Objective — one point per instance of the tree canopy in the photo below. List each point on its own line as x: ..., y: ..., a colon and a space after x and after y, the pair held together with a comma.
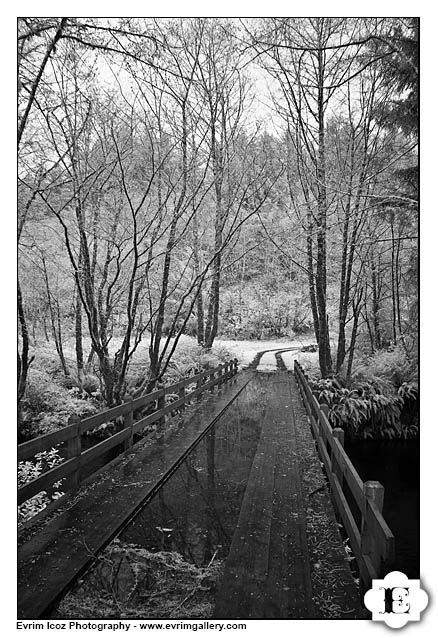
x: 244, y: 177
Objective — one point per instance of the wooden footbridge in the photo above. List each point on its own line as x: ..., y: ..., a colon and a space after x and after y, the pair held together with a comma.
x: 287, y: 558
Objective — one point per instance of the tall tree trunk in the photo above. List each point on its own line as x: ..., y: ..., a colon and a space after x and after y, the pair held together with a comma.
x: 154, y: 348
x: 55, y: 320
x: 200, y: 334
x: 59, y: 339
x: 107, y: 372
x: 78, y: 339
x: 213, y: 301
x: 393, y: 284
x: 325, y: 361
x: 352, y: 347
x: 356, y: 314
x: 46, y: 334
x: 376, y: 304
x: 212, y: 323
x: 349, y: 248
x: 241, y: 284
x: 397, y: 293
x: 370, y: 330
x: 23, y: 360
x: 311, y: 275
x: 78, y: 333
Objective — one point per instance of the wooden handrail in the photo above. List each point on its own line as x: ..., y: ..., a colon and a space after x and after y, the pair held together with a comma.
x: 372, y: 542
x: 76, y: 457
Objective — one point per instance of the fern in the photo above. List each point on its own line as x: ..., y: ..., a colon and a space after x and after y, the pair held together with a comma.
x: 369, y: 408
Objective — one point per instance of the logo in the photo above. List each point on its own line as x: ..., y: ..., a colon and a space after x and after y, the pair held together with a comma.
x: 396, y: 600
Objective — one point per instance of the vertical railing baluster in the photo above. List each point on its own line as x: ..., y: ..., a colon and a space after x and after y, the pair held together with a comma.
x: 182, y: 395
x: 198, y: 385
x: 74, y: 449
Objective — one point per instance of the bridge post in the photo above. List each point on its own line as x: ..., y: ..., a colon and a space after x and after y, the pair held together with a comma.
x: 226, y: 371
x: 374, y: 492
x: 199, y: 382
x: 182, y: 395
x: 129, y: 423
x: 211, y: 380
x: 235, y: 365
x: 74, y: 449
x: 338, y: 434
x: 222, y: 375
x: 161, y: 403
x: 324, y: 408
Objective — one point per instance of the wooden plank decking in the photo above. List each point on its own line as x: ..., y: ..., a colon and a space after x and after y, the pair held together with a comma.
x: 267, y: 573
x: 286, y: 558
x: 277, y: 567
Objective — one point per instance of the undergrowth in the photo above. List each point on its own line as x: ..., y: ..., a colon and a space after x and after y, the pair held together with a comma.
x: 48, y: 403
x: 28, y: 471
x: 51, y: 397
x: 381, y: 400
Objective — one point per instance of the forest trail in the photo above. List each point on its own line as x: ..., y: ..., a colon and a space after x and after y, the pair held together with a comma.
x: 286, y: 559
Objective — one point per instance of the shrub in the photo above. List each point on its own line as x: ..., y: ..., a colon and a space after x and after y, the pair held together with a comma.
x: 264, y: 311
x: 381, y: 400
x: 37, y: 398
x: 47, y: 406
x: 367, y: 409
x: 69, y: 382
x: 390, y: 365
x: 408, y: 391
x: 90, y: 384
x: 28, y: 471
x: 190, y: 358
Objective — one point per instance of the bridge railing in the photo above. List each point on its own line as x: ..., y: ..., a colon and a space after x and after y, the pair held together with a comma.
x: 371, y: 540
x: 71, y: 436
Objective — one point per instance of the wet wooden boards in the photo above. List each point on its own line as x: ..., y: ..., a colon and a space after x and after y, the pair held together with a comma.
x: 267, y: 573
x: 51, y: 560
